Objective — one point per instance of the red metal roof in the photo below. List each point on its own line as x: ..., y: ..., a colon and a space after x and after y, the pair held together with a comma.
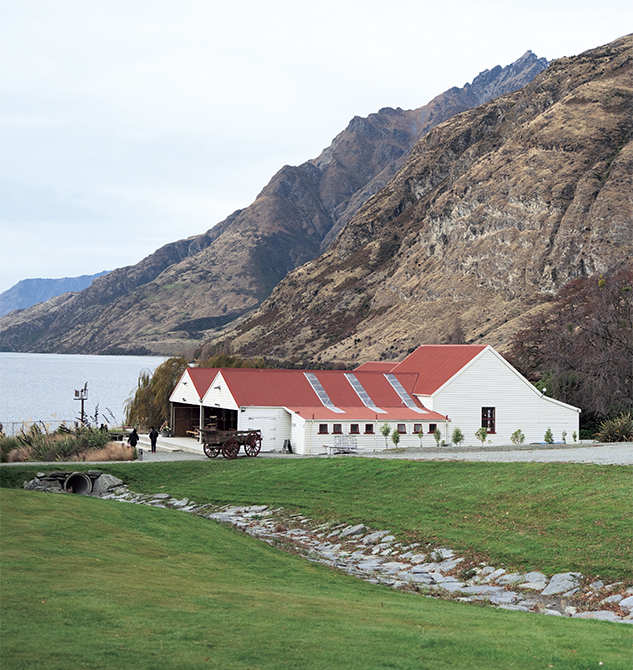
x: 435, y: 364
x: 201, y: 378
x: 376, y: 366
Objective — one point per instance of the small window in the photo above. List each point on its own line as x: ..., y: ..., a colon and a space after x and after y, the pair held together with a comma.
x: 402, y: 429
x: 488, y: 419
x: 354, y: 429
x: 432, y: 427
x: 369, y: 429
x: 417, y: 427
x: 337, y: 428
x: 323, y: 429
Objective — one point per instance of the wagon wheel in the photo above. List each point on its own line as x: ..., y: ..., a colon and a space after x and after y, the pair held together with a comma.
x: 230, y: 448
x: 253, y: 444
x: 210, y: 451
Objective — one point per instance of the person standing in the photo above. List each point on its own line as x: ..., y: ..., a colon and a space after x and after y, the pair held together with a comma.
x: 133, y: 438
x: 153, y: 436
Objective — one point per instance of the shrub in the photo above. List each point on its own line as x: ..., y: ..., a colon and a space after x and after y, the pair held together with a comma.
x: 517, y: 437
x: 549, y: 436
x: 481, y: 434
x: 438, y: 436
x: 7, y: 445
x: 385, y: 431
x: 395, y: 437
x: 458, y: 436
x: 617, y: 429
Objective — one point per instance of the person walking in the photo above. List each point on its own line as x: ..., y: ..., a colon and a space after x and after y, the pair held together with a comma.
x: 153, y: 436
x: 132, y: 440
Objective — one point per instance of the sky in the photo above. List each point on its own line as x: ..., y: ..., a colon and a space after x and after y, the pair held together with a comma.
x: 129, y: 124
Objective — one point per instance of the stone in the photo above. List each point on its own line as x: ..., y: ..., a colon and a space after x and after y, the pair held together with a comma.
x: 105, y: 483
x: 484, y: 590
x: 161, y: 496
x: 626, y: 603
x: 373, y: 538
x: 597, y: 585
x: 448, y: 565
x: 512, y: 578
x: 532, y: 586
x: 418, y: 558
x: 551, y: 612
x: 612, y: 599
x: 444, y: 553
x: 353, y: 530
x: 562, y: 582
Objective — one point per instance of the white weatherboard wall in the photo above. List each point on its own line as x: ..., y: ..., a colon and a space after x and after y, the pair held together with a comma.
x: 274, y: 422
x: 185, y: 391
x: 218, y: 395
x: 488, y: 381
x: 298, y: 433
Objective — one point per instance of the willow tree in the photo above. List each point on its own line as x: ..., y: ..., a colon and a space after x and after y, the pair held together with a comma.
x: 149, y: 406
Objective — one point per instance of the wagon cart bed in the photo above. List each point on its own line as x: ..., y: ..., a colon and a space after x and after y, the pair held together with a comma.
x: 229, y: 442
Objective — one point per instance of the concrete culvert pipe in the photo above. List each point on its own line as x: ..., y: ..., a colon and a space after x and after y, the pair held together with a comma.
x: 78, y: 482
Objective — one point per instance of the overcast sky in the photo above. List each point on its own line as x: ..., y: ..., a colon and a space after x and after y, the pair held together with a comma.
x: 128, y: 124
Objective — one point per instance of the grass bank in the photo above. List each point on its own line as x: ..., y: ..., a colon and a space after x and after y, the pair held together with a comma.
x: 552, y: 517
x: 88, y: 583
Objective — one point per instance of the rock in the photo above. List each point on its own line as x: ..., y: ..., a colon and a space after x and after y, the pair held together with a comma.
x: 448, y: 565
x: 161, y: 496
x: 626, y: 603
x: 569, y: 610
x: 551, y: 612
x: 612, y: 599
x: 418, y: 558
x: 373, y: 538
x: 512, y: 578
x: 596, y: 586
x: 105, y: 483
x: 532, y: 586
x: 484, y: 590
x: 353, y: 530
x: 562, y: 582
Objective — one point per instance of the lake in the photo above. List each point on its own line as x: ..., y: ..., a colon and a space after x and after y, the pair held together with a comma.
x: 41, y: 387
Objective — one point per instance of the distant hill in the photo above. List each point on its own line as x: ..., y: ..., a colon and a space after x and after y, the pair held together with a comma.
x: 28, y: 292
x: 178, y: 296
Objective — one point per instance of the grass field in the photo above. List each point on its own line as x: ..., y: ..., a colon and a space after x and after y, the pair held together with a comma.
x: 89, y: 583
x: 551, y: 517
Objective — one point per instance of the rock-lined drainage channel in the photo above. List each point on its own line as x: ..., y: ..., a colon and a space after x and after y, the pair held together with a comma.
x: 377, y: 557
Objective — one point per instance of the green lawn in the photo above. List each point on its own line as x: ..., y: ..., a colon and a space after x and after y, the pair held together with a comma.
x: 551, y: 517
x: 90, y: 583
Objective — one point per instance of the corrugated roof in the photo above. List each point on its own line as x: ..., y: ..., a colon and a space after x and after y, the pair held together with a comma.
x: 201, y: 378
x: 435, y: 364
x: 376, y: 366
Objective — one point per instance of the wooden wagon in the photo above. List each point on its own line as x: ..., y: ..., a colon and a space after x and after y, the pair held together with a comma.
x: 229, y: 442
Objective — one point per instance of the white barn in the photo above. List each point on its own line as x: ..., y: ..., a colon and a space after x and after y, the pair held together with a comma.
x: 437, y: 386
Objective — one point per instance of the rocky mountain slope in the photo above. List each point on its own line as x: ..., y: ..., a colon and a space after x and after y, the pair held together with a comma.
x: 493, y: 211
x: 179, y: 294
x: 28, y: 292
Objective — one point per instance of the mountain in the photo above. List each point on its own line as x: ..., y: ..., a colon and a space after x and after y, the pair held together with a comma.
x: 493, y: 211
x: 179, y: 295
x: 29, y: 292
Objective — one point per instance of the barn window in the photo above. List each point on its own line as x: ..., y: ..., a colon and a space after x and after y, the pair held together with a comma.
x: 432, y: 427
x: 337, y: 428
x: 369, y: 429
x: 354, y: 429
x: 417, y: 427
x: 488, y: 419
x: 323, y: 429
x: 402, y: 429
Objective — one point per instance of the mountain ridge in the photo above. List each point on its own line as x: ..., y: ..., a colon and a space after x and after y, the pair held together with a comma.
x: 163, y: 303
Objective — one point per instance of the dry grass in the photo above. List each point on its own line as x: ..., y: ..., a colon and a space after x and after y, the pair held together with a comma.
x: 112, y: 451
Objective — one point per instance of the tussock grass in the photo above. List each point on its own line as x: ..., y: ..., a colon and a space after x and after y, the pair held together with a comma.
x: 89, y: 583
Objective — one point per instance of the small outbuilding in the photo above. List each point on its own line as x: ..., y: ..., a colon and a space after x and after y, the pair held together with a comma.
x: 435, y: 387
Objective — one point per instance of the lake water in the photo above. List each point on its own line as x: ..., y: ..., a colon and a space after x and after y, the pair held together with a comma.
x: 41, y: 387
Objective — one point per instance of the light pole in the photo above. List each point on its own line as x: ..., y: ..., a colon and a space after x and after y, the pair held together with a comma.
x: 82, y: 394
